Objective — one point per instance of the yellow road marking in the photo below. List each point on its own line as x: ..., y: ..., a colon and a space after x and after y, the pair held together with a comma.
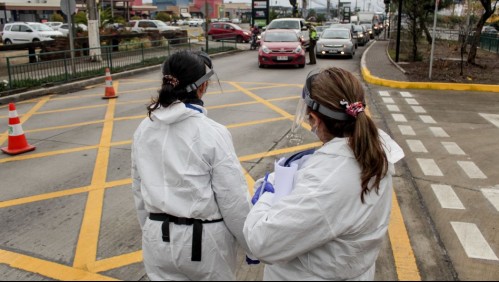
x: 261, y: 100
x: 49, y: 269
x: 262, y: 121
x: 117, y: 261
x: 405, y: 261
x: 250, y: 181
x: 86, y: 249
x: 26, y: 116
x: 403, y: 255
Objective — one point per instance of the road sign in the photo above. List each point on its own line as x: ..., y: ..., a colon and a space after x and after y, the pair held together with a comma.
x: 68, y: 7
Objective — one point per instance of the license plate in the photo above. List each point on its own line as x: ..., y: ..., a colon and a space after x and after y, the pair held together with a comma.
x: 282, y: 58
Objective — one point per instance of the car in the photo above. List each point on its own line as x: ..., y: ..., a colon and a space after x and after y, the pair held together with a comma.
x: 54, y: 25
x: 361, y: 34
x: 281, y: 47
x: 349, y: 26
x: 26, y: 32
x: 150, y: 25
x: 64, y: 28
x: 320, y: 29
x: 489, y: 30
x: 297, y: 24
x: 195, y: 22
x: 335, y: 42
x: 224, y: 30
x: 369, y: 28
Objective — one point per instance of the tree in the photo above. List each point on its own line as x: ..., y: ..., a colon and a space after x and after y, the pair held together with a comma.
x: 162, y: 16
x: 487, y: 13
x: 55, y: 17
x: 81, y: 18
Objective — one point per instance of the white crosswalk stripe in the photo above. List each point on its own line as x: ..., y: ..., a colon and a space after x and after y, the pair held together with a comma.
x: 393, y: 108
x: 473, y: 242
x: 438, y: 132
x: 452, y: 148
x: 406, y: 130
x: 388, y: 101
x: 471, y: 169
x: 427, y: 119
x: 399, y: 118
x: 384, y: 94
x: 492, y: 194
x: 416, y: 146
x: 412, y: 101
x: 446, y: 196
x: 418, y: 109
x: 429, y: 167
x: 406, y: 94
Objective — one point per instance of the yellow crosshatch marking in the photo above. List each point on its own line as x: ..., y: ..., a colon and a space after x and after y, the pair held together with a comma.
x: 86, y: 265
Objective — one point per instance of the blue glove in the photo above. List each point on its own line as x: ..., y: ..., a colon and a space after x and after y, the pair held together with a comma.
x: 265, y: 187
x: 250, y: 261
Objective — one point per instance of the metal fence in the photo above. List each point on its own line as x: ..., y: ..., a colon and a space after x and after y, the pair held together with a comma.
x: 58, y: 67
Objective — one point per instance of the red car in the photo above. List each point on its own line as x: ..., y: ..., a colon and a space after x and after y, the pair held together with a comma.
x: 281, y: 47
x: 228, y: 31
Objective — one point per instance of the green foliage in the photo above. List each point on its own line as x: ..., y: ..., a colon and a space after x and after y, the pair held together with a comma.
x: 105, y: 17
x: 162, y: 16
x: 321, y: 18
x: 136, y: 18
x: 55, y: 17
x: 119, y: 19
x: 81, y: 18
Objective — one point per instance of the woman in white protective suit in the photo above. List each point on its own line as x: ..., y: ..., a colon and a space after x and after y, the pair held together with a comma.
x: 332, y: 224
x: 190, y: 193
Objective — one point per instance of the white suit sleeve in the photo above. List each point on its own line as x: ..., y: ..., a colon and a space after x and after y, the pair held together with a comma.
x: 294, y: 225
x: 137, y: 194
x: 231, y: 192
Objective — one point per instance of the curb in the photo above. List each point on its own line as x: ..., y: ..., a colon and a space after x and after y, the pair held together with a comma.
x: 366, y: 74
x: 77, y: 85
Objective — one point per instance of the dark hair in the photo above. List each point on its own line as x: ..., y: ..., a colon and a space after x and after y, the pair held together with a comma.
x: 184, y: 66
x: 329, y: 88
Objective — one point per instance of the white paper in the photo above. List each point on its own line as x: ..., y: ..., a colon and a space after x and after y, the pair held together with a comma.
x: 283, y: 179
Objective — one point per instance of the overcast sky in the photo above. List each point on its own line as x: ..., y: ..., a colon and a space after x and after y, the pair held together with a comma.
x: 372, y: 5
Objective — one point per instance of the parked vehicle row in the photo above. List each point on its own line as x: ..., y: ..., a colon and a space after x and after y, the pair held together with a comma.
x: 27, y: 32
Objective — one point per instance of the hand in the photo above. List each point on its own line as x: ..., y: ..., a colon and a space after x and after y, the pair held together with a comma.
x: 267, y: 187
x: 251, y: 261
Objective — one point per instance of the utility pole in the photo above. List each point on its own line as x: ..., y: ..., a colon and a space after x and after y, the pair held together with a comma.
x: 399, y: 26
x: 93, y: 31
x: 328, y: 10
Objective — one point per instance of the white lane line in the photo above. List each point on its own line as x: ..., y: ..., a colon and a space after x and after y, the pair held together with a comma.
x: 384, y: 94
x: 472, y: 240
x: 494, y: 119
x: 418, y: 109
x: 447, y: 198
x: 388, y: 101
x: 492, y: 195
x: 416, y: 146
x: 452, y: 148
x: 406, y: 94
x: 471, y: 169
x: 427, y: 119
x: 399, y: 118
x: 406, y: 130
x: 393, y: 108
x: 438, y: 132
x: 411, y: 101
x: 429, y: 167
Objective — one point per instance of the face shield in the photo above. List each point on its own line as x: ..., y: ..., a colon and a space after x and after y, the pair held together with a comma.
x: 295, y: 137
x: 207, y: 61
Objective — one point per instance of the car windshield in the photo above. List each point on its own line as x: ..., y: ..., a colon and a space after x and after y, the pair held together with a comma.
x: 284, y: 25
x: 281, y: 37
x: 160, y: 23
x: 336, y: 34
x: 40, y: 27
x: 236, y: 27
x: 347, y: 26
x: 320, y: 28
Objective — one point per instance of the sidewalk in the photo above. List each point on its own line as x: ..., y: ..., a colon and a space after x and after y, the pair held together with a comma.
x: 380, y: 65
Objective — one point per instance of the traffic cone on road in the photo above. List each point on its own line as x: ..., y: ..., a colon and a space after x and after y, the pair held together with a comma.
x: 17, y: 140
x: 109, y: 86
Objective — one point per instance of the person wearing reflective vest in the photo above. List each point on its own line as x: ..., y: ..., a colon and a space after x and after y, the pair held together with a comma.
x: 313, y: 41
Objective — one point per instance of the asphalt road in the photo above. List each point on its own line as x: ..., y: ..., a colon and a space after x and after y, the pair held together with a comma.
x: 67, y: 212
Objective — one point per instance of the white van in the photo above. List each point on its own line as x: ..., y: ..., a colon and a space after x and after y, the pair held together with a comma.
x: 297, y: 24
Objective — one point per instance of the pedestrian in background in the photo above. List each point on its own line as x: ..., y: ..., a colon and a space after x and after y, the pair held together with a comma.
x: 313, y: 41
x: 189, y: 190
x: 332, y: 224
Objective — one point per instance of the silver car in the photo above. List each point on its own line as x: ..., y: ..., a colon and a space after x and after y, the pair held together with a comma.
x: 335, y: 42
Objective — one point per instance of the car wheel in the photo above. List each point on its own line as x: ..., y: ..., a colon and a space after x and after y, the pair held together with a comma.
x: 301, y: 66
x: 36, y: 40
x: 7, y: 42
x: 260, y: 65
x: 239, y: 39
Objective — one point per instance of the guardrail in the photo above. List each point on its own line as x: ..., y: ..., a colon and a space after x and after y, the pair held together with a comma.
x: 52, y: 68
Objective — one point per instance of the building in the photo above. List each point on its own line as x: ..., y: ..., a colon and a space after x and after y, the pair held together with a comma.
x: 190, y: 8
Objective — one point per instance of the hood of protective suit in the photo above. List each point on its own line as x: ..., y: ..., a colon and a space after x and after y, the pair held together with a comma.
x: 177, y: 112
x: 340, y: 147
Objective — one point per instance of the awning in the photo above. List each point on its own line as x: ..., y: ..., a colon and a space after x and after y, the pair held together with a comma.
x: 186, y: 15
x: 144, y: 8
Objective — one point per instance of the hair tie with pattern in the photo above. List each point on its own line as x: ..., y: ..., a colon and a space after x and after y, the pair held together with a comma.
x: 352, y: 109
x: 170, y: 79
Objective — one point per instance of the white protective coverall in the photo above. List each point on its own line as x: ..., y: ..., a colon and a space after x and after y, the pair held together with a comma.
x: 184, y: 164
x: 322, y: 230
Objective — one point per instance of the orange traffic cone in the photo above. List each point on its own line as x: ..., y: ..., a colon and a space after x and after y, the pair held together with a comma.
x: 109, y: 86
x: 17, y: 140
